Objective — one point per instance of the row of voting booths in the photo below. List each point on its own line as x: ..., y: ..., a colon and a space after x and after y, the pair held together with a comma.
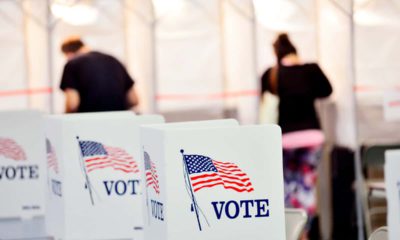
x: 203, y: 59
x: 118, y: 175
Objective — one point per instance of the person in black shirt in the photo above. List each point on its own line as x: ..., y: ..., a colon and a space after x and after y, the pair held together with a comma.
x: 93, y: 81
x: 298, y: 85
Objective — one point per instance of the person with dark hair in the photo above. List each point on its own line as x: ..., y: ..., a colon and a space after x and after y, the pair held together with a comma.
x: 298, y: 85
x: 94, y: 81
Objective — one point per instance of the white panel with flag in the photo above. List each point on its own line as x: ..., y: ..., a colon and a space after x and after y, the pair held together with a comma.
x: 22, y: 164
x: 95, y: 191
x: 392, y: 183
x: 214, y: 182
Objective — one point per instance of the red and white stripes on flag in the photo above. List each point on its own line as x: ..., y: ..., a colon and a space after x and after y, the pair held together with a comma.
x: 205, y: 172
x: 151, y: 173
x: 98, y: 156
x: 11, y: 150
x: 52, y: 162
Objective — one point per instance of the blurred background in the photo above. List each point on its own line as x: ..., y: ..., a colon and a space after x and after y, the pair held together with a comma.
x: 206, y: 55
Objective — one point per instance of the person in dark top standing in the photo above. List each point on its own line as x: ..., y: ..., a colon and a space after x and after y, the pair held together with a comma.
x: 298, y: 85
x: 93, y: 81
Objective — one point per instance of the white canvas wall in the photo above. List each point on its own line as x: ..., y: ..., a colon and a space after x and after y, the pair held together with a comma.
x: 188, y: 55
x: 36, y: 47
x: 297, y: 18
x: 140, y: 50
x: 188, y: 52
x: 240, y: 51
x: 117, y: 31
x: 202, y: 54
x: 377, y: 55
x: 335, y: 53
x: 12, y: 55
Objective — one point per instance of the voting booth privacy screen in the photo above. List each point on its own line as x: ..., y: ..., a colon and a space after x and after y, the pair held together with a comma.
x: 22, y: 165
x: 392, y: 183
x: 94, y: 178
x: 117, y: 175
x: 206, y: 180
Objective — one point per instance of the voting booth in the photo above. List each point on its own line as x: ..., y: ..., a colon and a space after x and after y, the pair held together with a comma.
x: 94, y: 176
x: 392, y: 182
x: 22, y: 164
x: 213, y: 182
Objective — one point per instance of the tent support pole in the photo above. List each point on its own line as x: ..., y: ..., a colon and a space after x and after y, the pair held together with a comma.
x: 153, y: 95
x: 50, y: 65
x: 254, y: 33
x: 357, y: 153
x: 324, y: 197
x: 26, y: 54
x: 125, y: 32
x: 340, y: 7
x: 225, y: 83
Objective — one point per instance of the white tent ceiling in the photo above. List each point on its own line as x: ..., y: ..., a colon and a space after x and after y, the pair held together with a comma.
x: 188, y: 54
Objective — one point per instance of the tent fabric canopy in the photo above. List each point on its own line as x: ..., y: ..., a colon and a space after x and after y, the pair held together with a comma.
x: 191, y: 54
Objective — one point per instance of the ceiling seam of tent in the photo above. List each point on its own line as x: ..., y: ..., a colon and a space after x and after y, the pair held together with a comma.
x: 240, y: 11
x: 366, y: 4
x: 363, y: 5
x: 396, y: 4
x: 340, y: 7
x: 8, y: 19
x: 106, y: 13
x: 138, y: 14
x: 302, y: 8
x: 29, y: 14
x: 201, y: 6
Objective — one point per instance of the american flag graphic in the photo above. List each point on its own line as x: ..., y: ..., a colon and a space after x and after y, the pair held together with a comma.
x: 205, y: 172
x: 11, y: 150
x: 151, y: 173
x: 51, y: 157
x: 98, y: 156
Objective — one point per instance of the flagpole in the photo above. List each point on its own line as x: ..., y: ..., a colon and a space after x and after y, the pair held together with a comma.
x: 191, y: 190
x: 89, y: 186
x: 48, y: 172
x: 147, y: 191
x: 147, y: 202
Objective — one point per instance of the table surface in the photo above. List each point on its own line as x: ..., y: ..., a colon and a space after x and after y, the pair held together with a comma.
x: 23, y: 229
